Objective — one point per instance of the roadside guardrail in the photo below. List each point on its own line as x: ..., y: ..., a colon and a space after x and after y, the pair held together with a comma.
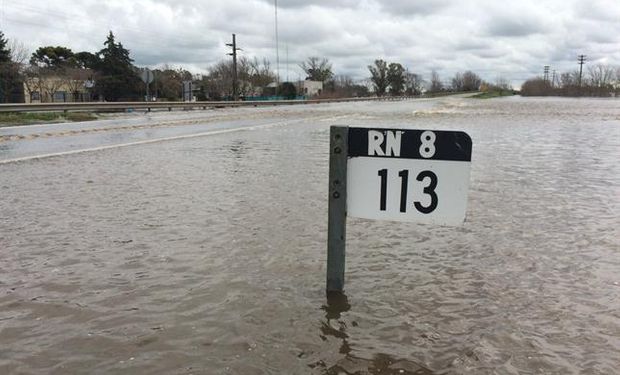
x: 148, y: 106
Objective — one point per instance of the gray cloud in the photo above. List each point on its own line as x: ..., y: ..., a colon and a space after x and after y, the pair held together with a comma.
x: 283, y: 4
x: 512, y: 27
x: 512, y: 39
x: 407, y: 8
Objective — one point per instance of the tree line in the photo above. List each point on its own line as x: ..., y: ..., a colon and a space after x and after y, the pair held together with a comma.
x: 600, y: 80
x: 110, y: 74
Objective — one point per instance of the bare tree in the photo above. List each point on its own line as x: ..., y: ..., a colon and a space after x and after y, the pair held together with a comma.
x: 252, y: 75
x: 50, y: 83
x: 601, y: 76
x: 219, y: 80
x: 19, y: 52
x: 343, y: 86
x: 244, y: 77
x: 502, y: 83
x: 467, y: 81
x: 457, y: 82
x: 413, y: 84
x: 260, y: 73
x: 601, y: 80
x: 31, y: 82
x: 435, y: 84
x: 569, y: 83
x: 43, y: 81
x: 471, y: 81
x: 75, y: 79
x: 317, y: 69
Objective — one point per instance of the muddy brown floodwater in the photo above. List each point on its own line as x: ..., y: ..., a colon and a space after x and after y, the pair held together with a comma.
x: 207, y: 255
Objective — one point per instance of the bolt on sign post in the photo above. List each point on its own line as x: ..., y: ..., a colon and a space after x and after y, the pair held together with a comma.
x: 410, y: 175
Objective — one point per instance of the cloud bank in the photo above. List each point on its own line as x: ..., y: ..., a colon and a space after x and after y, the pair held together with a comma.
x: 513, y: 40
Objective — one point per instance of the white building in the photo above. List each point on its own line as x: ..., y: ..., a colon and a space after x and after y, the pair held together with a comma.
x: 309, y: 88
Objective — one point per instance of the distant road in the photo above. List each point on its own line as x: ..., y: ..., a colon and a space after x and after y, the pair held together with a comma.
x: 20, y: 143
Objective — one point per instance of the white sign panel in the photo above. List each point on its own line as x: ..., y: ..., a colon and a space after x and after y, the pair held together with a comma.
x: 419, y: 176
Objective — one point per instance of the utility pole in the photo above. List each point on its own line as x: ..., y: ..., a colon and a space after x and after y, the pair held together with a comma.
x: 148, y: 94
x: 582, y: 60
x: 277, y: 47
x: 234, y: 56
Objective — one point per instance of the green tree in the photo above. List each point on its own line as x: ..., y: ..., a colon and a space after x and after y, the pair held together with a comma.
x: 317, y: 69
x: 168, y: 83
x: 87, y: 60
x: 379, y: 76
x: 118, y: 78
x: 11, y: 88
x: 287, y: 90
x: 53, y: 57
x: 396, y: 78
x: 5, y: 52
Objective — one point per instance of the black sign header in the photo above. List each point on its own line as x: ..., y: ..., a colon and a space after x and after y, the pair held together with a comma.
x: 410, y: 144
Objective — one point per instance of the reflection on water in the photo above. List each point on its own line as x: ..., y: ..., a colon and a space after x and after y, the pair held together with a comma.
x: 335, y: 326
x: 207, y: 255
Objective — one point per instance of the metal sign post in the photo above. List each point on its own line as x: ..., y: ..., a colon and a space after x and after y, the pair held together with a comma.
x: 147, y: 78
x: 337, y: 216
x: 188, y: 91
x: 408, y: 175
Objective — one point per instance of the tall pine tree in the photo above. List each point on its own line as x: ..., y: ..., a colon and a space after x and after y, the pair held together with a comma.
x: 118, y: 78
x: 11, y: 88
x: 5, y: 52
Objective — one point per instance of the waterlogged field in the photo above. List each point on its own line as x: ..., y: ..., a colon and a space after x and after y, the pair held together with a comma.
x: 207, y: 255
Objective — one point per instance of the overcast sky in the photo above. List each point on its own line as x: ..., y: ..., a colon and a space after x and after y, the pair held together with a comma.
x: 511, y: 39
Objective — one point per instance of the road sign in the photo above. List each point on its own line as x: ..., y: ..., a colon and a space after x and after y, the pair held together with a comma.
x: 147, y: 76
x: 419, y: 176
x: 188, y: 91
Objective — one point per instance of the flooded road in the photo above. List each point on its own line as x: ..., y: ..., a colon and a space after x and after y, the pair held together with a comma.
x: 206, y: 255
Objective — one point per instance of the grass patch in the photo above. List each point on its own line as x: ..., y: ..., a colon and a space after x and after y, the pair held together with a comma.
x: 29, y: 118
x: 80, y: 116
x: 493, y: 94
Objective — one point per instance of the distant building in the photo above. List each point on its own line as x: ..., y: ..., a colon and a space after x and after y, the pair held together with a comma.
x: 73, y: 86
x: 309, y: 88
